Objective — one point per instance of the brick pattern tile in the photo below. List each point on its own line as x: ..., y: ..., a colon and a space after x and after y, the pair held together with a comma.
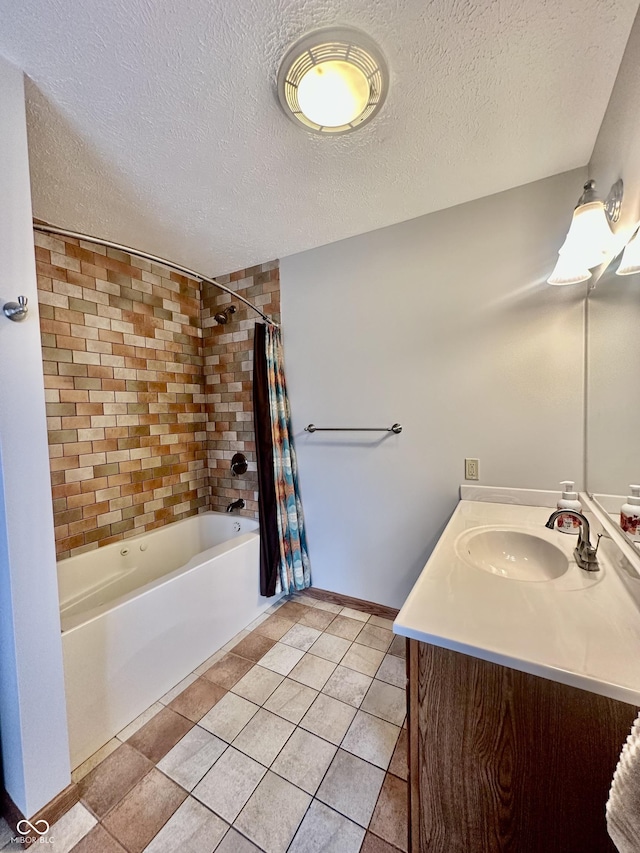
x: 228, y: 372
x: 147, y: 397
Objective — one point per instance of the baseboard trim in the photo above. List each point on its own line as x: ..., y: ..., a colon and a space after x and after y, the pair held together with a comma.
x: 355, y: 603
x: 52, y: 812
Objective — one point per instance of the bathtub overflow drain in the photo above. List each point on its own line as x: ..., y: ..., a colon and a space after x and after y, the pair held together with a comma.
x: 124, y: 551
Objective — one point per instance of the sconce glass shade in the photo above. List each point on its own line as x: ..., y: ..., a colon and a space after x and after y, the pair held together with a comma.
x: 589, y: 237
x: 570, y: 269
x: 630, y: 261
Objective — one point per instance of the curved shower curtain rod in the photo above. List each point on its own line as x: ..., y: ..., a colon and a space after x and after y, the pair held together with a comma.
x: 63, y: 232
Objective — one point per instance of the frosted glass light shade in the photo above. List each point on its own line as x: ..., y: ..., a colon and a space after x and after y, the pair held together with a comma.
x: 569, y: 270
x: 333, y: 94
x: 630, y: 261
x: 333, y: 80
x: 589, y: 237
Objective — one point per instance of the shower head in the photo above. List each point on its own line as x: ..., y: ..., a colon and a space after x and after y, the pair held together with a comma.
x: 222, y: 317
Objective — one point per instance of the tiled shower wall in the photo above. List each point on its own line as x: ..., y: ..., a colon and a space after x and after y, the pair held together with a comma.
x: 122, y: 343
x: 228, y: 368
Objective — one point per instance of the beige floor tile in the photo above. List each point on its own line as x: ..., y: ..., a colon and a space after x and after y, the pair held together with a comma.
x: 281, y: 658
x: 398, y: 646
x: 390, y: 818
x: 177, y: 690
x: 330, y: 647
x: 227, y: 719
x: 317, y: 618
x: 139, y: 722
x: 146, y: 808
x: 393, y: 670
x: 327, y: 831
x: 328, y: 606
x: 257, y: 685
x: 359, y: 615
x: 301, y: 636
x: 371, y: 738
x: 192, y: 757
x: 93, y: 760
x: 376, y: 638
x: 399, y: 762
x: 273, y: 814
x: 351, y: 786
x: 328, y: 718
x: 343, y: 626
x: 386, y: 701
x: 264, y: 736
x: 229, y: 784
x: 312, y: 671
x: 68, y: 830
x: 233, y: 842
x: 381, y: 622
x: 304, y: 760
x: 303, y: 598
x: 275, y: 627
x: 348, y: 686
x: 363, y: 659
x: 291, y: 700
x: 191, y: 829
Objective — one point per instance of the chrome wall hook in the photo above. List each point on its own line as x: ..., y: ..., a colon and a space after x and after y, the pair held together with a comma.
x: 16, y: 311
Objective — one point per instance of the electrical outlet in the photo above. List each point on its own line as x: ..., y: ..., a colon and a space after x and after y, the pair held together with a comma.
x: 471, y: 469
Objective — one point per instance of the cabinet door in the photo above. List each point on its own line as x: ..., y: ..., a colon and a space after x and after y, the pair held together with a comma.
x: 506, y: 761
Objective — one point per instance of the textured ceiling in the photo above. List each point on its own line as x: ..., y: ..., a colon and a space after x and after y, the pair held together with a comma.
x: 156, y: 123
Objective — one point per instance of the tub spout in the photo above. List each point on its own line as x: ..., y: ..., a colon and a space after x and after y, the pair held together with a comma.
x: 239, y: 504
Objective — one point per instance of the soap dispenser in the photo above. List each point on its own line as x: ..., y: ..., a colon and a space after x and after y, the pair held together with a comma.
x: 630, y: 513
x: 569, y: 500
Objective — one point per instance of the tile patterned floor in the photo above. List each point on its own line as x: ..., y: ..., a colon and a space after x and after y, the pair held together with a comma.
x: 290, y: 739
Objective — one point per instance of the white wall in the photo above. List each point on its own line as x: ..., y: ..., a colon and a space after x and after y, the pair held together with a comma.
x: 32, y: 705
x: 443, y: 323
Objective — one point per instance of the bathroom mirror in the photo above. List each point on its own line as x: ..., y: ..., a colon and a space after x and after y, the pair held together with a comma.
x: 613, y: 388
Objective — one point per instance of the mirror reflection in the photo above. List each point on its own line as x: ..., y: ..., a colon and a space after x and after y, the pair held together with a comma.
x: 613, y: 397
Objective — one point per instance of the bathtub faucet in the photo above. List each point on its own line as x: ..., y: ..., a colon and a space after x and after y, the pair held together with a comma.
x: 239, y: 504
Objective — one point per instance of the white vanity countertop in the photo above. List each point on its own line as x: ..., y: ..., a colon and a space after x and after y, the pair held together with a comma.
x: 576, y: 629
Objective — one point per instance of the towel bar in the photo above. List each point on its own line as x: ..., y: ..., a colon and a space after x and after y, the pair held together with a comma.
x: 397, y: 428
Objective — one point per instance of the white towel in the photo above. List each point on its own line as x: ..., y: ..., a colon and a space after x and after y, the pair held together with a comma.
x: 623, y: 807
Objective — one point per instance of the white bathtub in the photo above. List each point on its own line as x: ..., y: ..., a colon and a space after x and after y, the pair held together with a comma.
x: 141, y: 614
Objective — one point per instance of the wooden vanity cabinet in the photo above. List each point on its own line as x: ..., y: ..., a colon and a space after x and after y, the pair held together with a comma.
x: 500, y: 760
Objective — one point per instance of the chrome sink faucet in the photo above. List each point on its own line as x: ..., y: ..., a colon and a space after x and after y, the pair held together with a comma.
x: 584, y: 551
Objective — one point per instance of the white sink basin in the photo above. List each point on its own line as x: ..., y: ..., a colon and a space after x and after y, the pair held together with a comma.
x: 513, y: 554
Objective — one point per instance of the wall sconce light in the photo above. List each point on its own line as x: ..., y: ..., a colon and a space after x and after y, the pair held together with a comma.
x: 630, y: 261
x: 589, y: 240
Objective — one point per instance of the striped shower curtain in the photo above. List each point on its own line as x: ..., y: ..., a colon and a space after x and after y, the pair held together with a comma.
x: 284, y: 560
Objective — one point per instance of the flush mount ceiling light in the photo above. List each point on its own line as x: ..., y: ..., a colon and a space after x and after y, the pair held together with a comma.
x: 590, y: 238
x: 333, y: 80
